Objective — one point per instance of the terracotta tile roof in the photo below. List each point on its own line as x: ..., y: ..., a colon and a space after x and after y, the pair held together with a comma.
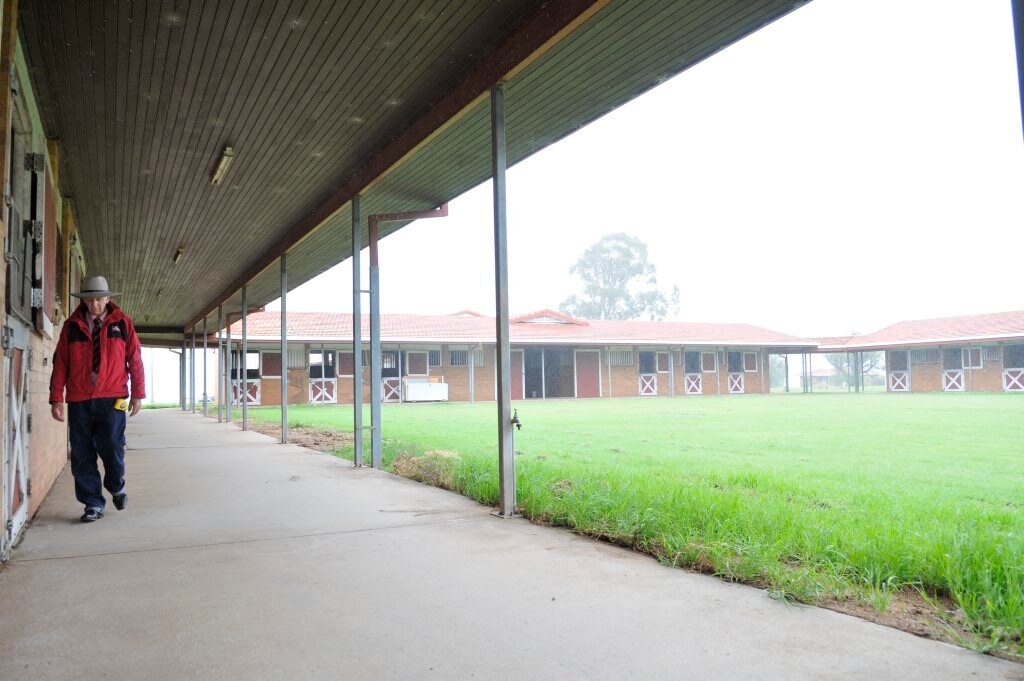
x: 979, y: 327
x: 327, y: 327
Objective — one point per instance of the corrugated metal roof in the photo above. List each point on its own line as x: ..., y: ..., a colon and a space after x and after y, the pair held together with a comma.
x: 320, y: 101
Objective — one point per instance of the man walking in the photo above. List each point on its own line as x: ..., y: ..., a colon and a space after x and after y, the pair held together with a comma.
x: 98, y: 352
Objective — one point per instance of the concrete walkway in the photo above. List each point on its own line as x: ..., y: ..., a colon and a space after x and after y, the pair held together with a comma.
x: 240, y: 558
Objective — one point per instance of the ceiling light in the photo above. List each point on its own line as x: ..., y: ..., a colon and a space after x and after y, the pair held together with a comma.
x: 226, y: 157
x: 177, y: 256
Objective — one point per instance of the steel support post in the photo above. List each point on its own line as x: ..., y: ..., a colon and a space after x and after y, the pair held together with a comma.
x: 323, y: 371
x: 764, y: 360
x: 1017, y: 10
x: 608, y: 361
x: 192, y: 372
x: 718, y: 371
x: 357, y: 337
x: 671, y: 372
x: 243, y: 360
x: 182, y: 373
x: 284, y: 348
x: 785, y: 361
x: 506, y: 451
x: 206, y: 401
x: 860, y: 372
x: 472, y: 373
x: 229, y: 364
x: 220, y: 364
x: 375, y: 358
x: 543, y: 372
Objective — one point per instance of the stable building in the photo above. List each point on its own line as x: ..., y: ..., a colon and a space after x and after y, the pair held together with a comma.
x: 975, y: 353
x: 453, y: 358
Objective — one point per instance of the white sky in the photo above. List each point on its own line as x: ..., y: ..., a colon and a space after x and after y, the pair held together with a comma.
x: 856, y: 163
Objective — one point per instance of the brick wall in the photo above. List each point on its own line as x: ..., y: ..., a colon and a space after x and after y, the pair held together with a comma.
x: 48, y: 440
x: 298, y: 389
x: 987, y: 379
x: 714, y: 383
x: 625, y: 380
x: 926, y: 377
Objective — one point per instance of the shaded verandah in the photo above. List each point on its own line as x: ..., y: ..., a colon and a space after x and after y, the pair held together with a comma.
x: 241, y: 557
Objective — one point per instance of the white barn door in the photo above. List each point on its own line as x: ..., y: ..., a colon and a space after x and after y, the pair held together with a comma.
x: 14, y: 495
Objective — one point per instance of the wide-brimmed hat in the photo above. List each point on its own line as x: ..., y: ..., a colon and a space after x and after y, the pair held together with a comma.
x: 95, y: 287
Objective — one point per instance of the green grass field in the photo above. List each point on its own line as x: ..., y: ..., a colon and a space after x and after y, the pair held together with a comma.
x: 815, y: 497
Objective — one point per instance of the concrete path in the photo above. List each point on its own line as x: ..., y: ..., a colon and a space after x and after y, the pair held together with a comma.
x: 240, y: 558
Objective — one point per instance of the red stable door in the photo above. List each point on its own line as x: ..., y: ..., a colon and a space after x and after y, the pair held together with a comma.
x: 588, y: 373
x: 518, y: 377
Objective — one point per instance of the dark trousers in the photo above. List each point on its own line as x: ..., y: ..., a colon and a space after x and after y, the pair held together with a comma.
x: 96, y: 429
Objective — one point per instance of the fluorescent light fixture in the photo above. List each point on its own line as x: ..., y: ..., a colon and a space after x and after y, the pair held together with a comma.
x: 177, y: 256
x: 226, y: 157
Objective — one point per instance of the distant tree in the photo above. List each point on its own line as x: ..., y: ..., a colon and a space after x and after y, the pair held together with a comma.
x: 844, y: 364
x: 777, y: 371
x: 619, y: 283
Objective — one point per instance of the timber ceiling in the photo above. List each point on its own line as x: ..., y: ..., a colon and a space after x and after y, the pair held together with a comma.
x: 320, y: 100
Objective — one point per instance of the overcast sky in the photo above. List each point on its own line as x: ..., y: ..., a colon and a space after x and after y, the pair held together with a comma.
x: 856, y: 163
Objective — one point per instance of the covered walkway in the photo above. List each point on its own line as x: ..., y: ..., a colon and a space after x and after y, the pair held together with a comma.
x: 241, y: 558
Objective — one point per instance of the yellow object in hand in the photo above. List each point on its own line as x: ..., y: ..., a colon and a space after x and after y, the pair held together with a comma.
x: 121, y: 405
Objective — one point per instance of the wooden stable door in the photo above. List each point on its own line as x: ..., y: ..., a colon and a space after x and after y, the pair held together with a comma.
x: 588, y: 373
x: 416, y: 363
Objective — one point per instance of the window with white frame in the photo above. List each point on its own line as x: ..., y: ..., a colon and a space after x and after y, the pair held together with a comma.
x: 664, y: 360
x: 708, y: 362
x: 620, y: 358
x: 322, y: 365
x: 750, y: 361
x: 478, y: 357
x: 458, y: 358
x: 971, y: 358
x: 434, y: 358
x: 993, y: 353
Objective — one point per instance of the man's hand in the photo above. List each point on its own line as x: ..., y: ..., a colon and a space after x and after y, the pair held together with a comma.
x: 57, y: 411
x: 136, y: 406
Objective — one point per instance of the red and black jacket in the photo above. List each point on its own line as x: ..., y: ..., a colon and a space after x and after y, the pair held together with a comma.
x: 120, y: 359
